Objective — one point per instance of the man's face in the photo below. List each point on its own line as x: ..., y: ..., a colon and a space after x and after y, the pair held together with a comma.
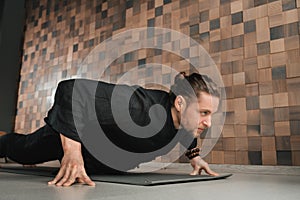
x: 196, y: 117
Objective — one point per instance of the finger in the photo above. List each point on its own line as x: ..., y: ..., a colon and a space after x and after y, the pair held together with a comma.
x: 210, y: 172
x: 79, y: 180
x: 195, y: 171
x: 87, y: 180
x: 65, y: 177
x: 58, y: 176
x: 71, y: 179
x: 199, y: 171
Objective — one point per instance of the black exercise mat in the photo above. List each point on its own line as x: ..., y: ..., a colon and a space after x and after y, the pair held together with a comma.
x: 145, y: 179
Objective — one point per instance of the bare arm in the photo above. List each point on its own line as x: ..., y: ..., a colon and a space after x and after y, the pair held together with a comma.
x: 72, y: 165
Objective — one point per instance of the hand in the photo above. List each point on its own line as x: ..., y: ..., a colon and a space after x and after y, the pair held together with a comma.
x: 198, y: 165
x: 71, y: 171
x: 72, y: 165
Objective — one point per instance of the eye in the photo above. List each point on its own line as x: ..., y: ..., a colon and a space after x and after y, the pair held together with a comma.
x: 204, y: 113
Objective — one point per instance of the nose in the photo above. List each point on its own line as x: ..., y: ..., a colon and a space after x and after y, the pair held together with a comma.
x: 207, y: 122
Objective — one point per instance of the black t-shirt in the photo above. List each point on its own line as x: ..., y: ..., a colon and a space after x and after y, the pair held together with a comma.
x: 80, y: 104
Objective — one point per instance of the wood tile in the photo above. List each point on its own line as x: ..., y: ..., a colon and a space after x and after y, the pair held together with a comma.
x: 295, y: 127
x: 250, y: 64
x: 290, y: 16
x: 229, y: 105
x: 293, y: 98
x: 242, y: 158
x: 250, y: 51
x: 225, y: 10
x: 282, y: 128
x: 295, y: 142
x: 251, y: 76
x: 236, y: 6
x: 296, y: 158
x: 281, y: 99
x: 250, y: 39
x: 276, y: 20
x: 293, y: 70
x: 288, y: 5
x: 237, y: 66
x: 284, y: 157
x: 294, y: 113
x: 228, y: 131
x: 281, y: 114
x: 293, y: 56
x: 228, y: 144
x: 265, y: 75
x: 214, y: 13
x: 262, y: 30
x: 228, y: 79
x: 279, y: 86
x: 283, y: 143
x: 252, y: 89
x: 267, y: 130
x: 215, y: 35
x: 204, y: 27
x: 217, y: 157
x: 237, y: 29
x: 278, y: 59
x: 291, y: 44
x: 229, y: 157
x: 241, y: 144
x: 253, y: 117
x: 269, y: 158
x: 239, y: 104
x: 266, y: 101
x: 240, y: 130
x: 268, y: 144
x: 279, y: 73
x: 250, y: 14
x: 262, y: 11
x: 263, y: 61
x: 255, y: 143
x: 267, y: 116
x: 277, y: 45
x: 219, y: 145
x: 274, y: 8
x: 253, y: 130
x: 293, y: 85
x: 226, y: 68
x: 239, y: 78
x: 263, y: 48
x: 248, y: 4
x: 229, y: 92
x: 255, y: 157
x: 240, y: 117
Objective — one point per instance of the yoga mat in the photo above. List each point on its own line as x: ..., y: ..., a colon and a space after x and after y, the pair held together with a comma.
x: 145, y: 179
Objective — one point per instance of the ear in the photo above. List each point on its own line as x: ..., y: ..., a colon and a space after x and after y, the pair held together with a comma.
x: 179, y: 103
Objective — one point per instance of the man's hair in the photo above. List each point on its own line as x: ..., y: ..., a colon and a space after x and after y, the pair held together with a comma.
x: 194, y: 84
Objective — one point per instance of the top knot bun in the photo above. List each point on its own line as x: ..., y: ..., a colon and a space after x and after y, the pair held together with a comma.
x: 179, y: 77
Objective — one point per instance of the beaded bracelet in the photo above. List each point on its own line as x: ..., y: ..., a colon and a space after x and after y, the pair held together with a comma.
x: 192, y: 153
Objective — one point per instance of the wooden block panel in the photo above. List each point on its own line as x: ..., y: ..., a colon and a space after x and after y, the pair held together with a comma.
x: 255, y: 45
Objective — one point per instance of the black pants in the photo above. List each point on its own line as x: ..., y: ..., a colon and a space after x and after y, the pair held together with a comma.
x: 42, y: 146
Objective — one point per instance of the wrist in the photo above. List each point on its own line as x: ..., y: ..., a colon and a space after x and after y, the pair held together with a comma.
x: 70, y: 145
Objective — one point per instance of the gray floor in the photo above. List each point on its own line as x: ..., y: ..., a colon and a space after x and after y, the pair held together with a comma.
x: 248, y: 182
